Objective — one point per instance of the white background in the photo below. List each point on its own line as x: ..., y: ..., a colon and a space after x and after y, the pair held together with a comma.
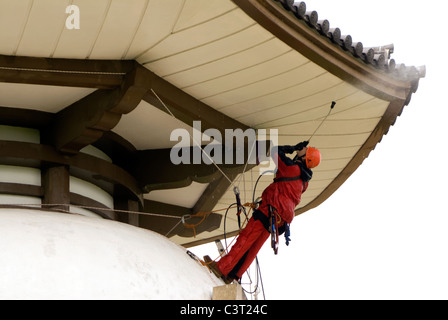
x: 384, y: 233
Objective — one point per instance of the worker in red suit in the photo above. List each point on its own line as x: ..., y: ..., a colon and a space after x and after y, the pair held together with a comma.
x: 280, y: 198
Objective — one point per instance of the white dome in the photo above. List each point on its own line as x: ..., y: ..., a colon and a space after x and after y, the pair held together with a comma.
x: 45, y: 255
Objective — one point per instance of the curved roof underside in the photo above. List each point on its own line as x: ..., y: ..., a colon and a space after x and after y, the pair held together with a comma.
x: 259, y: 64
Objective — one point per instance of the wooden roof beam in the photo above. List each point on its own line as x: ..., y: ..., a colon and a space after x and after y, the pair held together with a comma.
x: 187, y: 108
x: 85, y: 121
x: 155, y: 171
x: 101, y: 74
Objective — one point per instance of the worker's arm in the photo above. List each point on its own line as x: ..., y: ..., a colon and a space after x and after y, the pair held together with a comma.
x: 282, y: 151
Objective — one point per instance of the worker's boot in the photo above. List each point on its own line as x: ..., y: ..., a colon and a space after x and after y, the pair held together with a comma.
x: 213, y: 266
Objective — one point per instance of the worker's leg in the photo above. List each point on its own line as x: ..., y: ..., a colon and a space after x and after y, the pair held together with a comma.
x: 252, y: 253
x: 244, y: 242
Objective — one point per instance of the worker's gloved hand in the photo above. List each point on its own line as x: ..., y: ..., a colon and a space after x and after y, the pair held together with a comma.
x: 288, y: 149
x: 301, y: 145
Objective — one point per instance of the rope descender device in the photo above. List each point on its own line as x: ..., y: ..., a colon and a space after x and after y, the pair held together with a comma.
x: 236, y: 191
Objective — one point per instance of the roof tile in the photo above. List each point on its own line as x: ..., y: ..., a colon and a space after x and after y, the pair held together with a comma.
x: 377, y: 57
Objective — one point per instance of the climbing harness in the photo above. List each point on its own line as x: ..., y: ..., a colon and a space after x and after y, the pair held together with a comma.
x: 270, y: 223
x: 287, y: 179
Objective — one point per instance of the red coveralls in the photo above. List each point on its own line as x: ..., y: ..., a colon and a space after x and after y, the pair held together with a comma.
x: 284, y: 196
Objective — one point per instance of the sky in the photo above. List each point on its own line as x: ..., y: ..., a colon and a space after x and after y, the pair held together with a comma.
x: 384, y: 233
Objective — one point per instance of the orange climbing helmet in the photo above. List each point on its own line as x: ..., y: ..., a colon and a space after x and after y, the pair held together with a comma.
x: 312, y: 157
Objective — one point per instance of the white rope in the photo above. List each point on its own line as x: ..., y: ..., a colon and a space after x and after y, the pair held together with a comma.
x: 166, y: 107
x: 175, y: 226
x: 247, y: 162
x: 197, y: 143
x: 30, y: 205
x: 63, y: 71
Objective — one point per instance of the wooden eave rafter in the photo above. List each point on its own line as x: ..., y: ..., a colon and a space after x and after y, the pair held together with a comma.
x: 85, y: 121
x: 319, y: 49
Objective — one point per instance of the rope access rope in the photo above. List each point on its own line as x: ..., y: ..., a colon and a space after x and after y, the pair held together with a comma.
x: 28, y: 205
x: 197, y: 143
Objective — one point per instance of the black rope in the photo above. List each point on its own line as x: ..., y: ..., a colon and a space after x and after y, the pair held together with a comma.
x: 225, y: 219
